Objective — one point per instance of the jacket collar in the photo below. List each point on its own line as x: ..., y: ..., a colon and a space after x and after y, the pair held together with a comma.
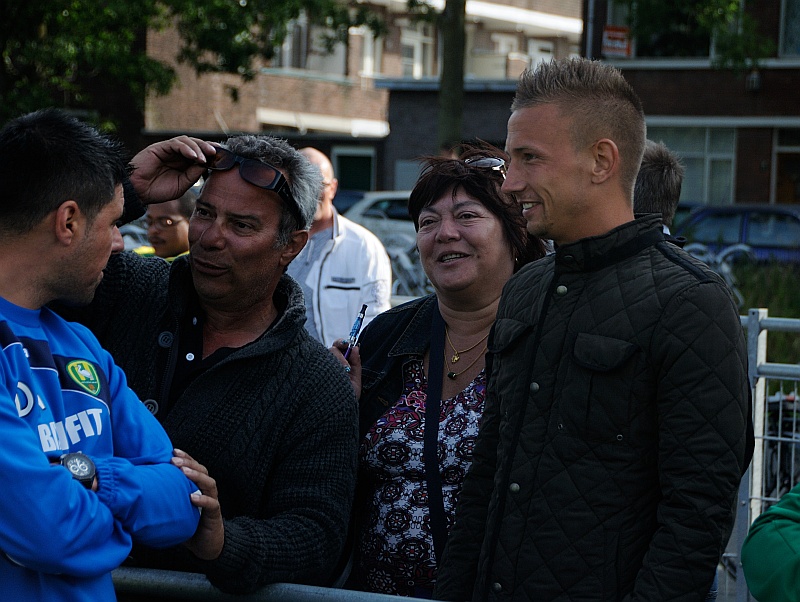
x: 416, y: 337
x: 616, y: 245
x: 336, y: 226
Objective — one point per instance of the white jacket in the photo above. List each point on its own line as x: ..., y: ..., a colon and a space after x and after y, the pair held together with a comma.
x: 352, y: 269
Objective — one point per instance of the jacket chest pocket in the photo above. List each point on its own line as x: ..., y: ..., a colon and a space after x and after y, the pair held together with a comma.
x: 340, y: 296
x: 507, y: 367
x: 597, y: 398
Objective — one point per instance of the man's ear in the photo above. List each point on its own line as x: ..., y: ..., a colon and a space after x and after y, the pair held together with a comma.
x: 69, y: 220
x: 296, y: 243
x: 606, y: 160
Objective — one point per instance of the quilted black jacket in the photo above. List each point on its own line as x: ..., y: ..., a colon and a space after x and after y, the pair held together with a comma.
x: 615, y: 433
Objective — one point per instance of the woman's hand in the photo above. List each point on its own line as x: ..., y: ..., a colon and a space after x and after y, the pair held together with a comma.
x: 208, y: 539
x: 165, y: 170
x: 352, y: 364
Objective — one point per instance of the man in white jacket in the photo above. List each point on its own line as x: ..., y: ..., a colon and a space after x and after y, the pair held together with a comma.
x: 342, y: 267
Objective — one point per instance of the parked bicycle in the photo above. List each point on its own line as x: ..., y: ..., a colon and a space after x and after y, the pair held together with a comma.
x: 722, y: 263
x: 781, y: 444
x: 409, y: 279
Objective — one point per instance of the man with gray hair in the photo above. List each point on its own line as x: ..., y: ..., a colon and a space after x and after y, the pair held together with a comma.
x: 215, y: 344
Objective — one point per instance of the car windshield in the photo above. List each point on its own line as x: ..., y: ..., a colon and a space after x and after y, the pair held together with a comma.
x: 715, y: 229
x: 773, y: 230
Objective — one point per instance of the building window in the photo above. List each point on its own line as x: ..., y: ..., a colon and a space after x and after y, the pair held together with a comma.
x: 505, y: 43
x: 294, y: 50
x: 372, y: 53
x: 708, y: 154
x: 540, y: 51
x: 790, y: 28
x: 787, y: 166
x: 666, y: 30
x: 417, y: 50
x: 354, y: 167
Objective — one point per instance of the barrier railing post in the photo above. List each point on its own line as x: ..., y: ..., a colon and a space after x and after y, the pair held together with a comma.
x: 757, y: 355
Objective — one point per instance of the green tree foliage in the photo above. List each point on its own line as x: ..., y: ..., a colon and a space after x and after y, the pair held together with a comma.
x: 90, y: 55
x: 774, y: 286
x: 738, y: 44
x: 65, y: 52
x: 238, y: 31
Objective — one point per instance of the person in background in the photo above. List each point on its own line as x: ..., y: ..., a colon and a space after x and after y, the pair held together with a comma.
x: 86, y: 468
x: 657, y: 190
x: 215, y: 345
x: 658, y: 184
x: 343, y: 266
x: 168, y: 226
x: 615, y: 434
x: 771, y: 554
x: 429, y: 354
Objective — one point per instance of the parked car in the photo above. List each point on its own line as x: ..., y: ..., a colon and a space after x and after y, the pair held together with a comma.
x: 134, y: 234
x: 683, y: 210
x: 346, y: 198
x: 385, y: 214
x: 771, y: 231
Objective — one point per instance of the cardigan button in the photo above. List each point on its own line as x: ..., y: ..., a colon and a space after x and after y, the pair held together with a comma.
x: 561, y: 290
x: 514, y: 488
x: 496, y: 587
x: 534, y: 388
x: 165, y: 339
x: 151, y: 405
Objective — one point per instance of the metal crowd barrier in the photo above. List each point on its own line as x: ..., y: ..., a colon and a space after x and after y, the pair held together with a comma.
x: 760, y: 487
x: 147, y: 584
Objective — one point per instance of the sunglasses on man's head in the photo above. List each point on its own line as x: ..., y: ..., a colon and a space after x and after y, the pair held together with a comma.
x: 493, y: 163
x: 258, y: 174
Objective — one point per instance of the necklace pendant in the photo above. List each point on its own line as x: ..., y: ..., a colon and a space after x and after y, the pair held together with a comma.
x: 451, y: 375
x: 456, y: 357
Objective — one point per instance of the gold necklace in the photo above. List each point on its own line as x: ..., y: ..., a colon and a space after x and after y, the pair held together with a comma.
x: 453, y: 375
x: 456, y: 352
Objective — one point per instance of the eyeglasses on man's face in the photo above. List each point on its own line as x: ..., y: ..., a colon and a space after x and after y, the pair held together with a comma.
x: 163, y: 223
x: 262, y: 175
x: 493, y: 163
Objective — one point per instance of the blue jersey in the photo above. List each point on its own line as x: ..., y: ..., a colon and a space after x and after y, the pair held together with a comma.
x: 61, y: 392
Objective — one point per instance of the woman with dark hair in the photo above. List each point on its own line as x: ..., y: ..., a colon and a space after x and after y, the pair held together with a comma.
x: 419, y: 371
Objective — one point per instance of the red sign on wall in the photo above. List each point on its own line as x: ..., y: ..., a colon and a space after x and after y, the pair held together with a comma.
x: 616, y: 41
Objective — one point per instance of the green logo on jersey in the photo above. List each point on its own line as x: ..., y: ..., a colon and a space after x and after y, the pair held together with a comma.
x: 84, y: 374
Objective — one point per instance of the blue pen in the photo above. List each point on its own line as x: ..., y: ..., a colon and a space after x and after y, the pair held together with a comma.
x: 351, y: 341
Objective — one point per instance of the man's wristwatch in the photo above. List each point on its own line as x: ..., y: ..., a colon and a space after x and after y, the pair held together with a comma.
x: 81, y: 467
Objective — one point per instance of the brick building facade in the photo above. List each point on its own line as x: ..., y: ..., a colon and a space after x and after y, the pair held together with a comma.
x: 340, y: 103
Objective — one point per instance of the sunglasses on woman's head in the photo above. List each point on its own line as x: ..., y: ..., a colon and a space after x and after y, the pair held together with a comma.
x: 262, y: 175
x: 493, y: 163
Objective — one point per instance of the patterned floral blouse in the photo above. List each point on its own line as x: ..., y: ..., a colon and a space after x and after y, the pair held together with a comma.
x: 395, y: 545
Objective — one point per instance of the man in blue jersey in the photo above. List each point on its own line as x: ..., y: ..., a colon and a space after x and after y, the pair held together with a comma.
x: 86, y: 470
